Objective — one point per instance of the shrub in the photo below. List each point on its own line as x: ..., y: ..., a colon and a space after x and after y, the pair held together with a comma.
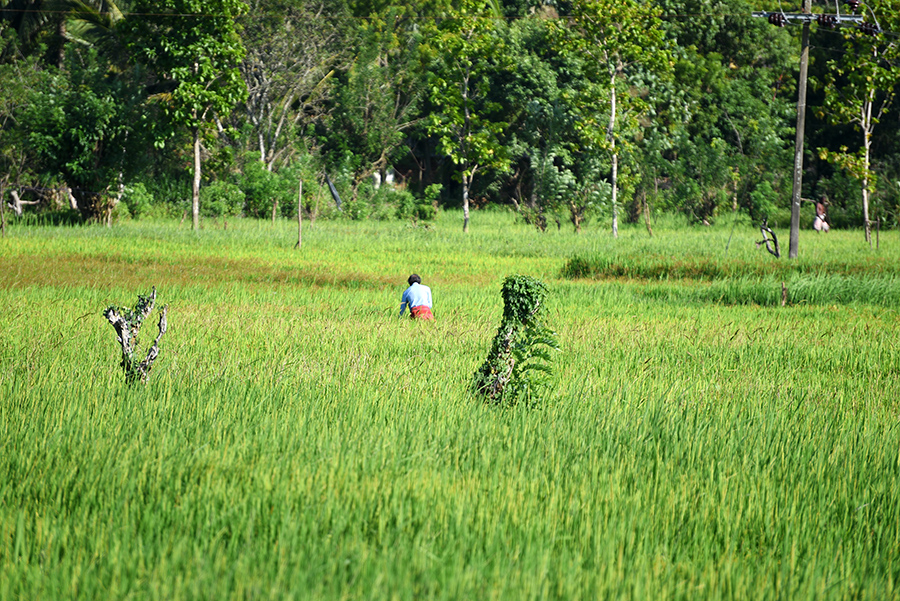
x: 405, y: 205
x: 762, y: 201
x: 316, y: 197
x: 519, y: 359
x: 138, y: 199
x: 220, y: 199
x: 358, y: 206
x: 261, y: 189
x: 416, y: 209
x: 387, y: 202
x: 173, y: 189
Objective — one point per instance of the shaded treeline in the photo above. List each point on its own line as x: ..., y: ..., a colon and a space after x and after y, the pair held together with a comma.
x: 565, y: 111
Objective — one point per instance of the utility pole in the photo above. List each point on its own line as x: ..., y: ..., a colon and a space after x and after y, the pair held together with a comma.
x: 779, y: 19
x: 798, y: 143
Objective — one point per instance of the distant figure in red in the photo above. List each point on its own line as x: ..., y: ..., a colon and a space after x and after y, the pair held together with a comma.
x: 418, y: 298
x: 820, y: 225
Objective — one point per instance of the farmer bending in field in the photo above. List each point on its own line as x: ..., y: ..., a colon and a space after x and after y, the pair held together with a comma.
x: 418, y: 298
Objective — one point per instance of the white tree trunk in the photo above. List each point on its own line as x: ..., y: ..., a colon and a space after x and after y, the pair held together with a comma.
x: 195, y: 190
x: 17, y: 203
x: 73, y: 203
x: 262, y: 151
x: 466, y: 179
x: 2, y: 209
x: 465, y: 182
x: 614, y: 156
x: 867, y: 145
x: 615, y: 204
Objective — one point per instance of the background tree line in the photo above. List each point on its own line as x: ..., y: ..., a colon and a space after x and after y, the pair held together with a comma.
x: 567, y: 111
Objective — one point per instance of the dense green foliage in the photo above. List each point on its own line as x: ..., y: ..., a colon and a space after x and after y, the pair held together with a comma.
x: 297, y: 441
x: 520, y: 352
x: 569, y: 112
x: 862, y: 93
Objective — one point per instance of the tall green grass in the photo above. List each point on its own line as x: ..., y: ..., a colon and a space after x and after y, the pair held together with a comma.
x: 297, y: 440
x: 703, y: 267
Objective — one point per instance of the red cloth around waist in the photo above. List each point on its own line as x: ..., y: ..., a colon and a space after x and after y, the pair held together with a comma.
x: 421, y: 312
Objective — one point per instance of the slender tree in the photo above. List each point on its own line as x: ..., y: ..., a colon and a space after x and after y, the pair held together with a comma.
x: 292, y: 49
x: 622, y: 38
x: 859, y: 90
x: 467, y: 49
x: 194, y: 49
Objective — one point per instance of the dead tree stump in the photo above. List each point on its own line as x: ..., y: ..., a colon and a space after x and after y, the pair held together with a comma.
x: 127, y: 323
x: 769, y: 239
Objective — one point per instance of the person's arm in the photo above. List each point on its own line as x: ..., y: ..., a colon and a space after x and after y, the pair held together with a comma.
x: 404, y: 301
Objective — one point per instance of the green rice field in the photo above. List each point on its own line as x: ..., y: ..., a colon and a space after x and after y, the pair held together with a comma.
x: 296, y: 440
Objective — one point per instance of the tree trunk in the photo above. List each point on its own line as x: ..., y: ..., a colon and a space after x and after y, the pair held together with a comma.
x: 647, y: 214
x: 867, y: 146
x: 797, y: 182
x: 576, y: 217
x: 3, y: 209
x: 73, y: 203
x: 112, y: 204
x: 90, y: 204
x: 17, y: 202
x: 300, y: 215
x: 734, y: 191
x: 127, y: 324
x: 262, y: 151
x: 465, y: 182
x: 61, y: 51
x: 865, y: 196
x: 610, y: 136
x: 195, y: 190
x: 466, y: 179
x: 615, y: 208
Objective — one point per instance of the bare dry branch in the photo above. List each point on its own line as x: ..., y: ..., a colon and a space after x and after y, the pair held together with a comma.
x: 127, y: 324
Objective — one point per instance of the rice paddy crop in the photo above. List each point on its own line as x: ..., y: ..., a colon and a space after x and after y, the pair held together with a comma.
x: 298, y: 441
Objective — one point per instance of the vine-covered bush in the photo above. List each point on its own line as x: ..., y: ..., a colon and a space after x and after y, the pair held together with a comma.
x: 519, y: 360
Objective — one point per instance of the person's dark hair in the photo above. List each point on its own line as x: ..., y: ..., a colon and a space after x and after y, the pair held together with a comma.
x: 414, y: 279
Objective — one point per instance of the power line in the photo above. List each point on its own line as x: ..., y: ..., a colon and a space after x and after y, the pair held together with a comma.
x: 258, y: 15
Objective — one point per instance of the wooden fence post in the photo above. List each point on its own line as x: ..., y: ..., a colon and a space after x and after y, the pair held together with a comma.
x: 300, y: 215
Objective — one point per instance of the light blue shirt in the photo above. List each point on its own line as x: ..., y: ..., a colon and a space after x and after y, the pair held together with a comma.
x: 414, y: 296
